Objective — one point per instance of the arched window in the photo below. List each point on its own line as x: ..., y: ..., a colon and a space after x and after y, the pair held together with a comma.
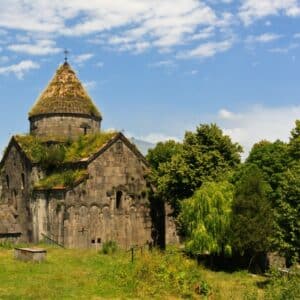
x: 119, y: 196
x: 7, y: 181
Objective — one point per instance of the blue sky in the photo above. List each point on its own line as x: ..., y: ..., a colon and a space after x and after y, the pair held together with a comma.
x: 157, y: 68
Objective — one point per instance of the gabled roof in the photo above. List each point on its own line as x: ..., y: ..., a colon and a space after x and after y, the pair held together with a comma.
x: 14, y: 142
x: 130, y: 145
x: 80, y: 163
x: 64, y: 95
x: 86, y: 161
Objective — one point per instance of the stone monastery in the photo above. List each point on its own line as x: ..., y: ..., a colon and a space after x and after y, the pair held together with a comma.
x: 69, y: 182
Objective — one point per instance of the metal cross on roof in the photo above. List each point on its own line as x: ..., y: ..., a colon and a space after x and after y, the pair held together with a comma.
x: 66, y: 52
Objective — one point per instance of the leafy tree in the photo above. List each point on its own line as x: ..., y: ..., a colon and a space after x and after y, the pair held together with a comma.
x: 279, y: 163
x: 205, y: 218
x: 272, y: 159
x: 288, y: 213
x: 162, y: 153
x: 252, y: 216
x: 205, y: 155
x: 294, y: 145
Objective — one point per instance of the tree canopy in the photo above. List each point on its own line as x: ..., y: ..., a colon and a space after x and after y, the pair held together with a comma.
x: 205, y: 218
x: 205, y: 155
x: 252, y: 216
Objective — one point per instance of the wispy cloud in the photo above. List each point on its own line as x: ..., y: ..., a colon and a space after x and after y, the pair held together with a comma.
x: 252, y: 10
x: 40, y: 47
x: 163, y: 63
x: 207, y: 50
x: 133, y: 25
x: 20, y: 68
x: 284, y: 50
x: 263, y: 38
x: 82, y: 58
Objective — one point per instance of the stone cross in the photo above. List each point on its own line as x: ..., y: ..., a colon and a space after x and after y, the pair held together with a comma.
x: 82, y: 230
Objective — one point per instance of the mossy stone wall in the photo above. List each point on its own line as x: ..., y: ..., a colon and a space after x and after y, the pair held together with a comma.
x: 15, y: 181
x: 63, y: 126
x: 112, y: 204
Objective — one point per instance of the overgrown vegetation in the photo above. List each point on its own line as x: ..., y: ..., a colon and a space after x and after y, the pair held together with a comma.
x: 109, y: 247
x: 41, y: 151
x: 283, y: 287
x: 86, y: 274
x: 54, y: 156
x: 61, y: 179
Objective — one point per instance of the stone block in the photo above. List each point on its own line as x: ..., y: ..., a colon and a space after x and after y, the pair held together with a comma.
x: 30, y: 254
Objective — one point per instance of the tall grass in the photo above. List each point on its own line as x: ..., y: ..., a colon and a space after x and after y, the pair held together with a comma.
x: 87, y: 274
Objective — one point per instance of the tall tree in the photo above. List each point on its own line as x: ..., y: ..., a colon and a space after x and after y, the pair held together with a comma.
x: 205, y: 219
x: 294, y: 145
x: 205, y: 155
x: 288, y: 213
x: 162, y: 153
x: 252, y: 215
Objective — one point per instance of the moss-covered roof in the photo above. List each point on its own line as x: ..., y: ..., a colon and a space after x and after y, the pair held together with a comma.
x: 38, y: 150
x: 61, y: 180
x: 64, y: 94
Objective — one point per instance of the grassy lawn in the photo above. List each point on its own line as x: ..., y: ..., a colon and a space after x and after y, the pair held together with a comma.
x: 86, y: 274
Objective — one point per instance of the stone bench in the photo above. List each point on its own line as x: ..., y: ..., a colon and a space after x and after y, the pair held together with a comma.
x: 30, y: 254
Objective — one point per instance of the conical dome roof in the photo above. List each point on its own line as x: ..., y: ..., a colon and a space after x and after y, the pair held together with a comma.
x: 64, y: 95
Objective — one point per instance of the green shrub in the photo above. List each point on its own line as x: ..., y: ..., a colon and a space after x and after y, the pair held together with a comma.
x: 284, y: 287
x: 7, y: 245
x: 156, y: 272
x: 109, y: 247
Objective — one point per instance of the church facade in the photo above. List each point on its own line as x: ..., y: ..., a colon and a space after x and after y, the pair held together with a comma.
x: 92, y: 187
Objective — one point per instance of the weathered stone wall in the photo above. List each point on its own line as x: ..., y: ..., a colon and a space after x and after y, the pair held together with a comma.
x: 68, y: 126
x: 15, y: 181
x: 48, y: 216
x: 111, y: 205
x: 171, y: 234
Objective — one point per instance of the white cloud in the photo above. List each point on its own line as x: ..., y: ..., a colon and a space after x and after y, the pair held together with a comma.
x: 19, y: 69
x: 263, y: 38
x: 259, y: 123
x: 133, y: 25
x: 41, y: 47
x: 227, y: 115
x: 79, y: 59
x: 207, y: 49
x: 163, y: 63
x: 252, y: 10
x: 284, y: 50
